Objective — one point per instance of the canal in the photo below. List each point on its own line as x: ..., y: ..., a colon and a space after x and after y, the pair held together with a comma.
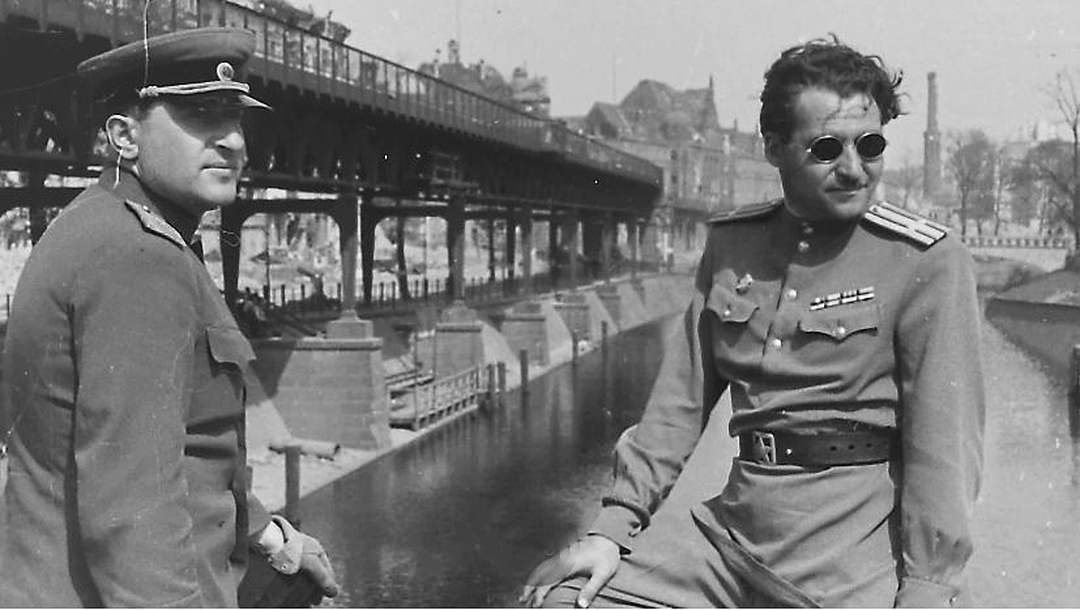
x: 459, y: 518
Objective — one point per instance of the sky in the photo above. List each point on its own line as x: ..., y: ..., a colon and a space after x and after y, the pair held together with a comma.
x: 995, y: 59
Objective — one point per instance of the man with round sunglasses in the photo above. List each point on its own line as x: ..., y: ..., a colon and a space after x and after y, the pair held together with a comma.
x: 845, y: 330
x: 125, y: 368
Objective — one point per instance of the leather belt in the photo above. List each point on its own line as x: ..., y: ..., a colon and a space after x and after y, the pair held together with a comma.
x: 817, y: 449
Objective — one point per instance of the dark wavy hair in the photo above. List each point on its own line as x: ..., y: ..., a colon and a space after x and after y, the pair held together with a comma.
x: 827, y: 64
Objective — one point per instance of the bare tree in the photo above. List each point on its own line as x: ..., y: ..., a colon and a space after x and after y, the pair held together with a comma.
x: 907, y: 180
x: 1045, y: 179
x: 971, y: 164
x: 1066, y: 97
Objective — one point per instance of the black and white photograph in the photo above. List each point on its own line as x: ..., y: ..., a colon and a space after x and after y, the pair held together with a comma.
x: 510, y: 304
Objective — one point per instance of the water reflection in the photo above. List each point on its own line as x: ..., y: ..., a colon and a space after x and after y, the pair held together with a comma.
x: 459, y: 518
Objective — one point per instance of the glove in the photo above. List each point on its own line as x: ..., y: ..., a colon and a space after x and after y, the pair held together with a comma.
x: 302, y: 553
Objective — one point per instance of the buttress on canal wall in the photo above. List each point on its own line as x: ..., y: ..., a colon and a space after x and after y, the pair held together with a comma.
x: 330, y: 392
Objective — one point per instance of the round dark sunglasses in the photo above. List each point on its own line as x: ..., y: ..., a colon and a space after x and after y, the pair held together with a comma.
x: 826, y: 149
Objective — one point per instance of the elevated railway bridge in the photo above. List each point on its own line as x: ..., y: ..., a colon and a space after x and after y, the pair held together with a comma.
x: 371, y: 140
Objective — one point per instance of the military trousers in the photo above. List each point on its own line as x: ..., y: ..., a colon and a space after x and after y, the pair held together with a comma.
x: 666, y: 571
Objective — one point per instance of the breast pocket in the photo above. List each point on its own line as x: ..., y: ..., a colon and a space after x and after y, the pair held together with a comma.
x: 734, y: 313
x: 841, y: 323
x: 728, y: 306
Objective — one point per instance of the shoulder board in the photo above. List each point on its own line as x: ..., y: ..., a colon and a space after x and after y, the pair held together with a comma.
x: 920, y: 230
x: 753, y: 210
x: 155, y: 224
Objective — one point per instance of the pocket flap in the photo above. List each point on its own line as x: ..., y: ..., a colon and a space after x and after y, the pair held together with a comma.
x: 229, y: 345
x: 729, y: 306
x: 841, y: 322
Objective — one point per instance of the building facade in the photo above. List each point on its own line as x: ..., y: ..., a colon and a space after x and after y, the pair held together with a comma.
x: 707, y: 168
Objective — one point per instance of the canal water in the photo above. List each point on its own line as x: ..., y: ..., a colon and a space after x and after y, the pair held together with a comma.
x: 461, y: 517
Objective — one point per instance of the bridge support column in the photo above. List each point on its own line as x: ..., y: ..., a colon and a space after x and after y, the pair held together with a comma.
x: 592, y: 245
x: 344, y: 214
x: 491, y: 249
x: 232, y: 227
x: 369, y: 221
x: 35, y: 185
x: 526, y: 250
x: 402, y: 265
x: 651, y: 252
x: 571, y: 239
x: 455, y: 245
x: 554, y: 268
x: 632, y: 236
x: 511, y: 247
x: 607, y: 245
x: 38, y: 223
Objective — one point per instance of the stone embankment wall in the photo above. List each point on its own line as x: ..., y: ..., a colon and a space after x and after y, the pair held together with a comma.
x: 317, y: 389
x: 1042, y: 316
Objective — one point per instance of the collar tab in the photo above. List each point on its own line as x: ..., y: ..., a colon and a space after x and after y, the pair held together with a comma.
x: 753, y: 210
x: 155, y: 224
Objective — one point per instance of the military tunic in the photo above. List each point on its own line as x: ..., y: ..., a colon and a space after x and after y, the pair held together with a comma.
x: 815, y: 327
x: 126, y: 395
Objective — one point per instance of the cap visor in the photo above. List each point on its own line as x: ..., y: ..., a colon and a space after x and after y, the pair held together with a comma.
x: 249, y: 102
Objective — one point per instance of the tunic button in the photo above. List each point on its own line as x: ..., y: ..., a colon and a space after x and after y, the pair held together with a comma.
x: 841, y: 330
x: 776, y: 343
x: 803, y: 246
x: 727, y: 312
x: 807, y: 230
x: 791, y: 294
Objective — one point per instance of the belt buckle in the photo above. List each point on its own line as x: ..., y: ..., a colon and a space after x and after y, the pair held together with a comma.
x: 764, y: 447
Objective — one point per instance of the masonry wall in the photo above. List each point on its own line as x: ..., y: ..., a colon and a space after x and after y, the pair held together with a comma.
x: 1047, y: 330
x: 328, y: 389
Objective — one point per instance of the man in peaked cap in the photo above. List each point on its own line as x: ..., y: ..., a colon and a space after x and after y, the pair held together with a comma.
x: 125, y: 419
x: 845, y: 331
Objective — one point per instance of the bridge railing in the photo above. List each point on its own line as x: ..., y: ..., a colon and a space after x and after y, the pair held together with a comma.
x: 988, y: 241
x: 297, y: 57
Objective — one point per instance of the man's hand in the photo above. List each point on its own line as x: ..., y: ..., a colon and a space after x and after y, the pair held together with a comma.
x: 302, y: 553
x: 594, y: 556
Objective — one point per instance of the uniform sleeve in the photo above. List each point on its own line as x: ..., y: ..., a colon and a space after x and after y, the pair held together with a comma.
x: 258, y: 517
x: 134, y: 321
x: 650, y: 455
x: 941, y: 426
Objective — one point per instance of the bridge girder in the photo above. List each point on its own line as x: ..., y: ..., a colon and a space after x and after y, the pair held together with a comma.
x: 314, y: 141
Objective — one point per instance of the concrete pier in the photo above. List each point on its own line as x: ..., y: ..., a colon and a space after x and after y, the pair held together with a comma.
x: 347, y: 401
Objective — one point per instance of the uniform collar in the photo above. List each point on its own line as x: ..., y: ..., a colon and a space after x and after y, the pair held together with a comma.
x: 130, y: 188
x: 821, y: 227
x: 813, y: 240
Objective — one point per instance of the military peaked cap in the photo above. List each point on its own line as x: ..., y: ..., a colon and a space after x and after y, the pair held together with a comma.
x: 188, y: 62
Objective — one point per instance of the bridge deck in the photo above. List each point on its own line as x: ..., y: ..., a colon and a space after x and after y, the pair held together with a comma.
x: 309, y: 62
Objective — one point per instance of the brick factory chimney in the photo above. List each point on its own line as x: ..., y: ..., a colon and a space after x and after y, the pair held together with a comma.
x: 931, y: 142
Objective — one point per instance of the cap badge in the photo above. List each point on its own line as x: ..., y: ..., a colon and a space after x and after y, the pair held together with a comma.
x: 744, y: 284
x: 225, y: 71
